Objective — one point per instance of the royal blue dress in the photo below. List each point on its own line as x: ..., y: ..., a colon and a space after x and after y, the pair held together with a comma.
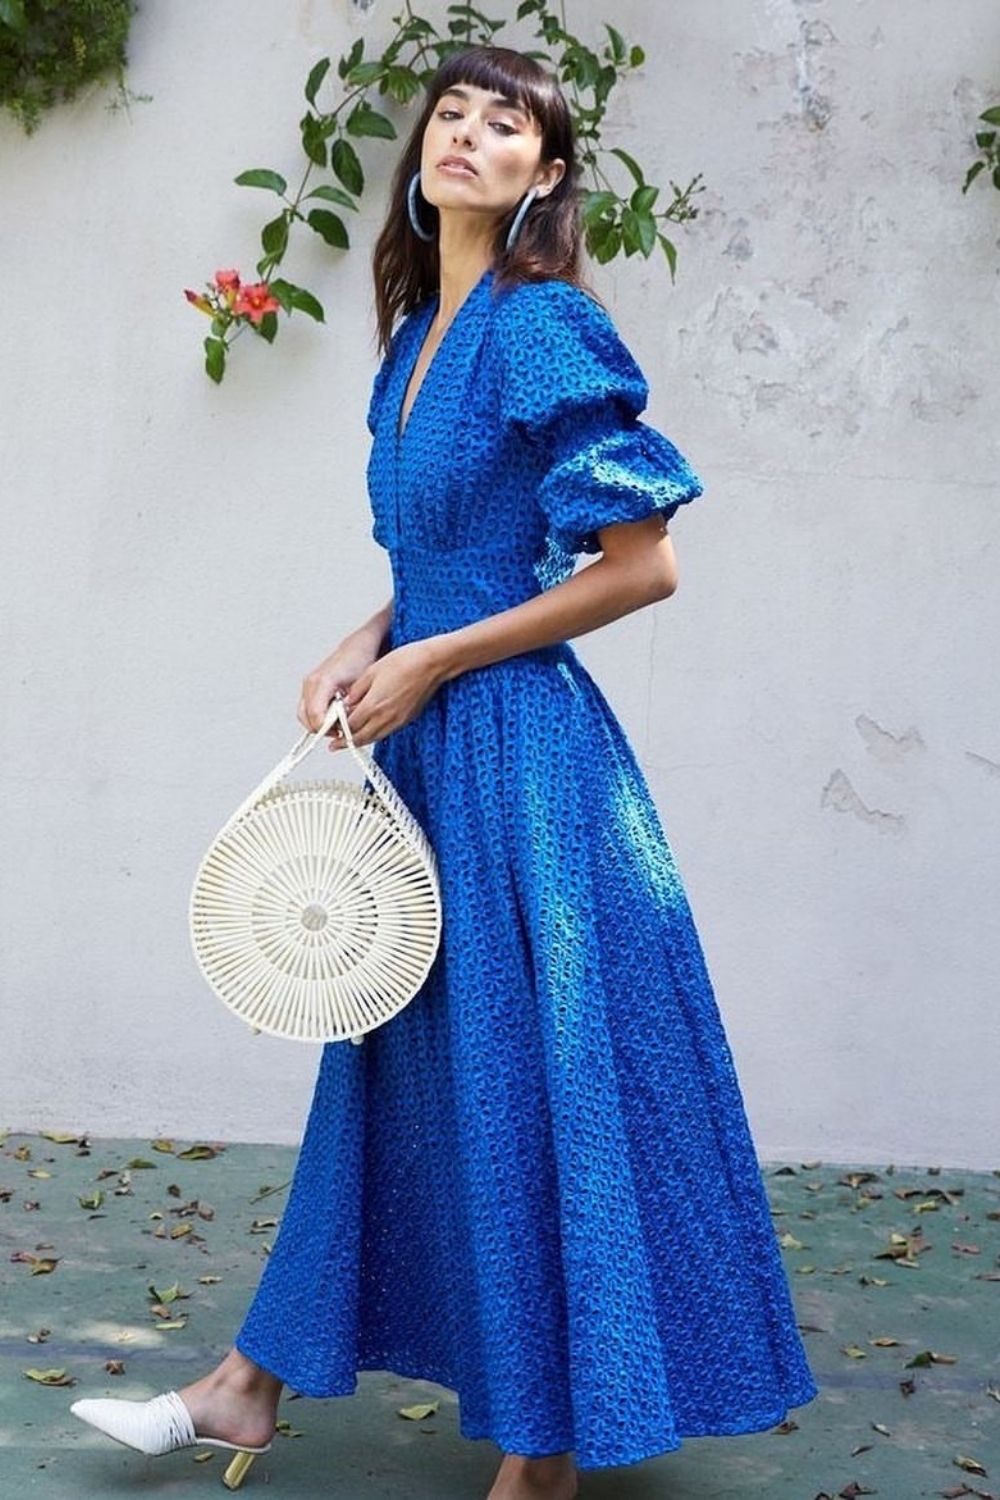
x: 536, y: 1184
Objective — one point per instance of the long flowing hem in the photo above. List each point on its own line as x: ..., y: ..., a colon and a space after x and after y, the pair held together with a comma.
x: 529, y: 1447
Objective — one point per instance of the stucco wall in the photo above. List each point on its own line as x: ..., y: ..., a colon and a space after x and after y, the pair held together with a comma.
x: 816, y: 708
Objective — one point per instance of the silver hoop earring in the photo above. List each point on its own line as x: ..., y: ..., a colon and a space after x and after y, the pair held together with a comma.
x: 526, y: 203
x: 411, y: 206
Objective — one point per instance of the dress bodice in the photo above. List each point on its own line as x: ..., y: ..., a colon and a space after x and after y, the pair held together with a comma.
x: 522, y: 441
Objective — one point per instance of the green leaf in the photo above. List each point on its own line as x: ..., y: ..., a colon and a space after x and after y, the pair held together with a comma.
x: 365, y: 73
x: 643, y: 198
x: 332, y: 194
x: 985, y: 137
x: 670, y: 251
x: 12, y: 14
x: 637, y: 57
x: 401, y: 83
x: 617, y: 43
x: 631, y: 163
x: 345, y: 164
x: 363, y: 120
x: 316, y: 76
x: 991, y: 115
x: 304, y: 301
x: 139, y: 1164
x: 282, y: 290
x: 274, y: 236
x: 215, y: 359
x: 973, y: 173
x: 296, y: 297
x: 353, y: 57
x: 609, y: 245
x: 330, y: 226
x: 313, y: 139
x: 262, y: 177
x: 91, y: 1200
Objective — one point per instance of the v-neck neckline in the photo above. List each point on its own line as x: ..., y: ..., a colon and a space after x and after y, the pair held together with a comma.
x: 424, y: 325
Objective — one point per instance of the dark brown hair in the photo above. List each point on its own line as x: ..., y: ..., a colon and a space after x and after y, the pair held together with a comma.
x: 406, y: 269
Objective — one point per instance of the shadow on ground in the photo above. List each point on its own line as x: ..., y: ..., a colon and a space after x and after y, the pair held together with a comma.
x: 895, y: 1275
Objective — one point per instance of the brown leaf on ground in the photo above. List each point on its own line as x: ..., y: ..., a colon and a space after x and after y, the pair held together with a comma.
x: 50, y: 1377
x: 115, y: 1366
x: 970, y: 1465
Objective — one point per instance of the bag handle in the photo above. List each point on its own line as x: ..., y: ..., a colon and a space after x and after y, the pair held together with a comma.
x: 307, y: 742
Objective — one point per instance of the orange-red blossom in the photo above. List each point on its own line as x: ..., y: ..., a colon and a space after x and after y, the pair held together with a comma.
x: 252, y: 300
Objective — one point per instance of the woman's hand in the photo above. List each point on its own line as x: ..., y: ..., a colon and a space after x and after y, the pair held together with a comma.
x: 390, y: 692
x: 335, y: 673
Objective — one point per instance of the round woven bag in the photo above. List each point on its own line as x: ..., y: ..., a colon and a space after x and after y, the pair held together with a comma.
x: 315, y: 913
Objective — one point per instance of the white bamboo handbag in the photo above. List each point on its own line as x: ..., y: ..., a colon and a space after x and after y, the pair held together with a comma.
x: 315, y: 913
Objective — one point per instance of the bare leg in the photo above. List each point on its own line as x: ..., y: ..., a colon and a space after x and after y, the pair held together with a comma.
x: 550, y: 1478
x: 237, y: 1401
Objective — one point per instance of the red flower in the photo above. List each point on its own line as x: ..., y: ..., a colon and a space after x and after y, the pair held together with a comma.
x: 226, y: 279
x: 254, y: 301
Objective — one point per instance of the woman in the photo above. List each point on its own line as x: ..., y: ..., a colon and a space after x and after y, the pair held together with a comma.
x: 535, y: 1184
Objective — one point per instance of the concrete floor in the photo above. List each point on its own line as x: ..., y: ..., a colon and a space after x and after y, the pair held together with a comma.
x: 96, y: 1305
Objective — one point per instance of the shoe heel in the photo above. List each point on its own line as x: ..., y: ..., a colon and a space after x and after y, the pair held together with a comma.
x: 237, y: 1470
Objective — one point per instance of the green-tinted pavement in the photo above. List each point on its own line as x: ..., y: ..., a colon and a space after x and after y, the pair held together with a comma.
x: 184, y: 1220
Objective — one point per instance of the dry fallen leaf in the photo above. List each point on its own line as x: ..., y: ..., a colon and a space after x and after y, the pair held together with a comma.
x: 115, y: 1366
x: 970, y: 1465
x: 50, y: 1377
x: 418, y: 1413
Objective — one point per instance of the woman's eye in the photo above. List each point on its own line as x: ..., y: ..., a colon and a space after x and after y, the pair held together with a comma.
x: 443, y: 114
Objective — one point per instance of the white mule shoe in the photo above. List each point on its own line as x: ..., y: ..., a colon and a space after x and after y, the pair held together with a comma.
x: 160, y: 1425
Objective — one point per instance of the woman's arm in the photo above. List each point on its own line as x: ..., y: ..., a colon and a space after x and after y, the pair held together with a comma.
x: 375, y: 631
x: 637, y: 567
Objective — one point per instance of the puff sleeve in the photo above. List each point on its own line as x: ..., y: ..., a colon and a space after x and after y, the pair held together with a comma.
x: 572, y: 386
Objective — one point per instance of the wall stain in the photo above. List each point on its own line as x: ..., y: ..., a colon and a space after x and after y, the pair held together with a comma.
x: 991, y: 767
x: 884, y: 745
x: 841, y: 796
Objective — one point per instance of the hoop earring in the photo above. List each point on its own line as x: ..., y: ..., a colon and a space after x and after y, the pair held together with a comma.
x: 411, y: 206
x: 526, y: 203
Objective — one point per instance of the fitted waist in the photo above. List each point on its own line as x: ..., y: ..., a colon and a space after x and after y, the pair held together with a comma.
x: 436, y: 590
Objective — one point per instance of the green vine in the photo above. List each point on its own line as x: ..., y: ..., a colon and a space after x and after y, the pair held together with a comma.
x: 614, y: 222
x: 49, y: 49
x: 986, y: 140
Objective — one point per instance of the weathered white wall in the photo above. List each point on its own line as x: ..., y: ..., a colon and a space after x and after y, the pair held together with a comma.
x: 816, y: 708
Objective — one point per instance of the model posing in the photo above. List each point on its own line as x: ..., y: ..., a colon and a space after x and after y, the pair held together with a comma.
x: 536, y: 1184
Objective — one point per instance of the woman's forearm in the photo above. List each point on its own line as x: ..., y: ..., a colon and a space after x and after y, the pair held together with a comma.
x: 375, y: 630
x: 593, y: 597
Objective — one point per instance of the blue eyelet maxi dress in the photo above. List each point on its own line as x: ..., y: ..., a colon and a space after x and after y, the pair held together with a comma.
x: 536, y: 1184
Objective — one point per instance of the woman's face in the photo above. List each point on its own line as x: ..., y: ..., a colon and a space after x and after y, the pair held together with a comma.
x: 500, y: 142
